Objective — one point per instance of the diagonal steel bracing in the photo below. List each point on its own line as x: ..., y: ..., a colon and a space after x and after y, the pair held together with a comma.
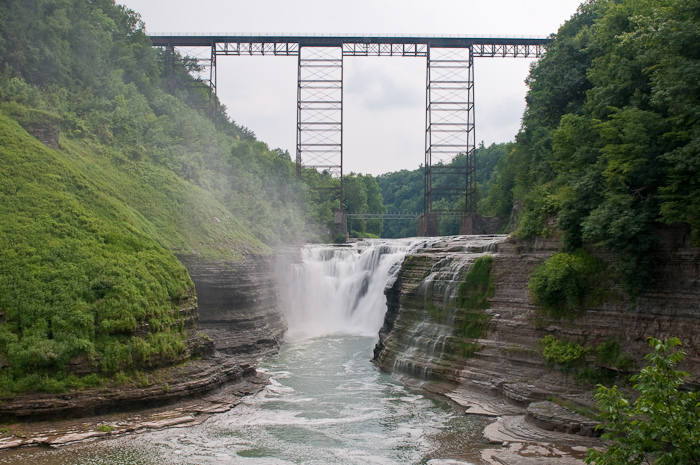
x: 320, y: 111
x: 204, y: 59
x: 450, y: 161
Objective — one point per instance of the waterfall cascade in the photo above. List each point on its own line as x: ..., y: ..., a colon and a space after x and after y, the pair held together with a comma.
x: 340, y: 289
x: 425, y: 332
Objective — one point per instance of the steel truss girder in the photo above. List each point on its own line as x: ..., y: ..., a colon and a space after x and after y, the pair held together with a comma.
x: 508, y: 50
x: 384, y: 216
x: 320, y: 111
x: 379, y: 49
x: 402, y: 216
x: 257, y: 48
x: 354, y: 45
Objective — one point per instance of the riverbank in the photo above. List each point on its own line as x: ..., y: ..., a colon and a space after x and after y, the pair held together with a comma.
x: 521, y: 443
x: 184, y: 413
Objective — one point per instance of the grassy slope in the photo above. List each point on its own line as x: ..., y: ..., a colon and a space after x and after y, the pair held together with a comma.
x: 83, y: 259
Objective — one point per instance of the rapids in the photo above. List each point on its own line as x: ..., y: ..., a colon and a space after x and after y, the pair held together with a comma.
x: 327, y: 404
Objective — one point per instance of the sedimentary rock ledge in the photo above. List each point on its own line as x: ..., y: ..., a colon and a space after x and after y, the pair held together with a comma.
x: 238, y: 304
x: 166, y: 385
x: 184, y: 412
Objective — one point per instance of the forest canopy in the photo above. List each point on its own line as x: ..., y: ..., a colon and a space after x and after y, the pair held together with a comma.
x: 609, y: 147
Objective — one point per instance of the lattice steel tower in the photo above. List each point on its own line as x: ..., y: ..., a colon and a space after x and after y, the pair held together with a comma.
x: 450, y: 163
x: 320, y: 111
x: 450, y: 141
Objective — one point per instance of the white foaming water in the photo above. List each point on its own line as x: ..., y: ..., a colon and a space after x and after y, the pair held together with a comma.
x: 340, y: 289
x: 327, y: 403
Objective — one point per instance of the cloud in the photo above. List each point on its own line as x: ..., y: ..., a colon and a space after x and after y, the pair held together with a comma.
x: 382, y: 84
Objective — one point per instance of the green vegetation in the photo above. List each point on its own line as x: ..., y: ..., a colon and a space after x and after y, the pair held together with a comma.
x: 472, y: 299
x: 609, y: 354
x: 478, y: 285
x: 362, y: 195
x: 564, y: 354
x: 569, y: 357
x: 566, y: 282
x: 77, y: 275
x: 402, y: 191
x: 662, y: 426
x: 105, y: 428
x: 469, y: 348
x: 609, y: 142
x: 90, y: 289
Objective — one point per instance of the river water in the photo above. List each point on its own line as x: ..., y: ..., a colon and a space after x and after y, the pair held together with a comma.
x: 327, y: 404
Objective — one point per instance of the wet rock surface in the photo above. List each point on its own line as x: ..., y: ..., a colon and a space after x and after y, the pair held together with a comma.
x: 505, y: 362
x: 553, y: 417
x: 185, y: 412
x: 165, y: 386
x: 239, y: 307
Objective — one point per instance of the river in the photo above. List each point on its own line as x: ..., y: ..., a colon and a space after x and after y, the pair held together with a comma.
x: 327, y: 404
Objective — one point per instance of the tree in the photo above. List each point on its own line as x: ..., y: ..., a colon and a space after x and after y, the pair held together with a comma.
x: 662, y: 426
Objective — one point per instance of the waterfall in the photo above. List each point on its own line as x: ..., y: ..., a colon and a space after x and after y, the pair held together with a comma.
x: 424, y: 340
x: 340, y: 289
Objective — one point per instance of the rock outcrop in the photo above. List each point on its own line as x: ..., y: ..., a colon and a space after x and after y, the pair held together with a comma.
x: 236, y: 312
x: 238, y: 304
x: 506, y: 360
x: 162, y: 387
x: 502, y: 373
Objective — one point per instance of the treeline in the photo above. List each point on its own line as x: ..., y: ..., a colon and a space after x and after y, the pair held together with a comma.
x: 610, y: 141
x: 402, y: 191
x: 91, y: 63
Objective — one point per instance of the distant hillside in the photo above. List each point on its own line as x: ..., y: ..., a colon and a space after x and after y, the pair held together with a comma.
x: 402, y: 191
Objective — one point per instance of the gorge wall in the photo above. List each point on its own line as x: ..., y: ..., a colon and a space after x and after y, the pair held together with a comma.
x: 238, y: 304
x: 420, y: 343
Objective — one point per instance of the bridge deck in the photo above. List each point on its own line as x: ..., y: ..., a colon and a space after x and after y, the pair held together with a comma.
x: 356, y: 45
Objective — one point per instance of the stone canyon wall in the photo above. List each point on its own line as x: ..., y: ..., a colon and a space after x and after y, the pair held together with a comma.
x: 239, y: 306
x: 420, y: 344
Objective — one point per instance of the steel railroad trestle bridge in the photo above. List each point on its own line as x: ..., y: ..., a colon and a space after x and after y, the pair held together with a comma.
x: 449, y: 100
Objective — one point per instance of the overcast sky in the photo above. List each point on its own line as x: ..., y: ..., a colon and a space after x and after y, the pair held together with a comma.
x: 384, y: 98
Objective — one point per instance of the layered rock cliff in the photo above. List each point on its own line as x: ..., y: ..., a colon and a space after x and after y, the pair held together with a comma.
x: 193, y: 372
x: 238, y: 303
x: 419, y: 340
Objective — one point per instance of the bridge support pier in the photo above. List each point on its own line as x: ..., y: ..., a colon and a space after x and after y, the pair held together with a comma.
x: 340, y: 225
x: 428, y: 225
x: 470, y: 224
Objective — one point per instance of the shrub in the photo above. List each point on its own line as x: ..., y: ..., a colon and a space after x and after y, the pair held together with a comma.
x: 662, y: 426
x: 562, y: 283
x: 608, y: 353
x: 563, y: 353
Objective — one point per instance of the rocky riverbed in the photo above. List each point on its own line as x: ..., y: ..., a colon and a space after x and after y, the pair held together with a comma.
x: 183, y: 413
